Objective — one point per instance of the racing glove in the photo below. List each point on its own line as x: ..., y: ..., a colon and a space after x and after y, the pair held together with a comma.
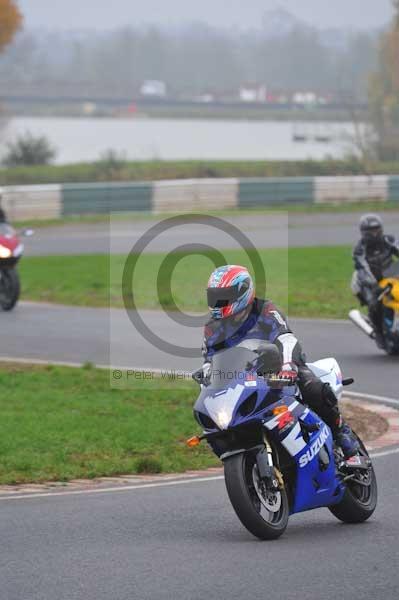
x: 289, y: 372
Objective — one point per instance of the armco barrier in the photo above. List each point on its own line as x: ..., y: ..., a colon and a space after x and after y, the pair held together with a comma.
x: 351, y: 189
x: 195, y: 194
x: 54, y: 201
x: 393, y: 188
x: 262, y: 192
x: 94, y: 198
x: 32, y: 202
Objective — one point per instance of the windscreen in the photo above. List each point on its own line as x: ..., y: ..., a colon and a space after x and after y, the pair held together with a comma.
x: 230, y: 365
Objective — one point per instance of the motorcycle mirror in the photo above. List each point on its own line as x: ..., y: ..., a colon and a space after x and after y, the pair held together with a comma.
x: 262, y: 347
x: 270, y: 360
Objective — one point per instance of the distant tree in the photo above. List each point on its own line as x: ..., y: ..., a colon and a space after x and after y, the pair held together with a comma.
x: 10, y: 21
x: 384, y: 92
x: 29, y: 150
x: 192, y: 60
x: 111, y: 164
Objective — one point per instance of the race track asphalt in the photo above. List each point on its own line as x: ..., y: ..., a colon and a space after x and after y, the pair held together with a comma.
x: 265, y: 230
x: 184, y: 542
x: 107, y: 337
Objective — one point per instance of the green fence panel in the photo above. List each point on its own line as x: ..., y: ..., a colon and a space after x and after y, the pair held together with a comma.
x: 94, y: 198
x: 393, y: 188
x: 275, y: 190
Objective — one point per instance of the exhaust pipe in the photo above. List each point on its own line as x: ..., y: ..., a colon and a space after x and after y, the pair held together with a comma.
x: 358, y: 319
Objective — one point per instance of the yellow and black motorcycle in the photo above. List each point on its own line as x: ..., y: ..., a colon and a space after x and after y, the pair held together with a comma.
x: 389, y: 297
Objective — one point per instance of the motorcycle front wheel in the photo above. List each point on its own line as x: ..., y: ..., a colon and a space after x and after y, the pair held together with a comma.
x: 9, y: 288
x: 264, y: 513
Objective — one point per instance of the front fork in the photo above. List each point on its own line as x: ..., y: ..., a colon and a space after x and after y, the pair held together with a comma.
x: 268, y: 473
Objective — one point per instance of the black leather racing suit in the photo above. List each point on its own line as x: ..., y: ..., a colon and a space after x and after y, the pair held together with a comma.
x: 370, y: 264
x: 266, y: 322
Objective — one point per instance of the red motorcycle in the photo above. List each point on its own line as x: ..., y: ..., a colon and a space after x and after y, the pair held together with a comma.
x: 11, y: 250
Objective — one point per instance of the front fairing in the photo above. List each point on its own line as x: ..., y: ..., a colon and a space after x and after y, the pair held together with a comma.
x: 234, y: 392
x: 391, y: 279
x: 392, y: 299
x: 11, y: 249
x: 240, y: 403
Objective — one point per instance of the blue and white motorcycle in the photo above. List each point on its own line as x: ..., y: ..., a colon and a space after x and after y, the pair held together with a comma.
x: 279, y: 457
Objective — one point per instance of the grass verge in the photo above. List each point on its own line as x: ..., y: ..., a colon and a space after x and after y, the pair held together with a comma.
x: 187, y: 169
x: 307, y: 282
x: 278, y: 208
x: 62, y: 423
x: 304, y: 208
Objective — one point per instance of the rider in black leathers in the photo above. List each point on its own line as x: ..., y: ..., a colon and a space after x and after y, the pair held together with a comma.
x: 372, y: 255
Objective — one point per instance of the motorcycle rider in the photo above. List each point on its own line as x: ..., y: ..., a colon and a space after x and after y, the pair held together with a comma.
x: 3, y: 218
x: 372, y: 255
x: 236, y: 314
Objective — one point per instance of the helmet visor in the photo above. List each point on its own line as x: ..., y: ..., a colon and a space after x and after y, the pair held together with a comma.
x: 221, y: 297
x: 372, y: 234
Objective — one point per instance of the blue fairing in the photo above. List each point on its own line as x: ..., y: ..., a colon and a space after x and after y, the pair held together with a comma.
x: 248, y: 399
x: 316, y: 486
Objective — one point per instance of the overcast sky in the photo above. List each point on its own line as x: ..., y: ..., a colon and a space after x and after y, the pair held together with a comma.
x: 108, y: 14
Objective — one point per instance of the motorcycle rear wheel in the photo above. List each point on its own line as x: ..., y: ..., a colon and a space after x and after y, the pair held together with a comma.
x: 359, y: 502
x: 392, y: 349
x: 391, y: 342
x: 266, y: 517
x: 9, y: 288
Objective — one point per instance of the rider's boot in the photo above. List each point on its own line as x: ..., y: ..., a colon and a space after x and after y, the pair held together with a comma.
x: 379, y: 339
x: 346, y: 440
x: 342, y: 433
x: 321, y: 398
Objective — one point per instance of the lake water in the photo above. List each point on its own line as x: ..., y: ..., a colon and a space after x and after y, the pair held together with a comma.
x: 145, y: 139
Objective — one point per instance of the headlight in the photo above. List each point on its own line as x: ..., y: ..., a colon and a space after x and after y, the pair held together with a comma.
x: 5, y: 252
x: 221, y: 406
x: 223, y: 419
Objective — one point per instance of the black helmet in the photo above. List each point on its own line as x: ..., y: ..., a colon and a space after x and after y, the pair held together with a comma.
x: 371, y: 229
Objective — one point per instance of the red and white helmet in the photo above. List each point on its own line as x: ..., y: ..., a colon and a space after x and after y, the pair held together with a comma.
x: 230, y: 291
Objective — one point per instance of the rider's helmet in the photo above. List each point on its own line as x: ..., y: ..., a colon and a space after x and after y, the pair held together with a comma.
x: 230, y: 291
x: 372, y: 230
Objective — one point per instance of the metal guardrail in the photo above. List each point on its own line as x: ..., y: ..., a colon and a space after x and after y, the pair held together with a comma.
x: 55, y: 201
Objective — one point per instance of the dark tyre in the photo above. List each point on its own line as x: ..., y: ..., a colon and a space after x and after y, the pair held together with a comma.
x: 391, y: 342
x: 265, y: 514
x: 392, y: 348
x: 9, y: 288
x: 360, y: 499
